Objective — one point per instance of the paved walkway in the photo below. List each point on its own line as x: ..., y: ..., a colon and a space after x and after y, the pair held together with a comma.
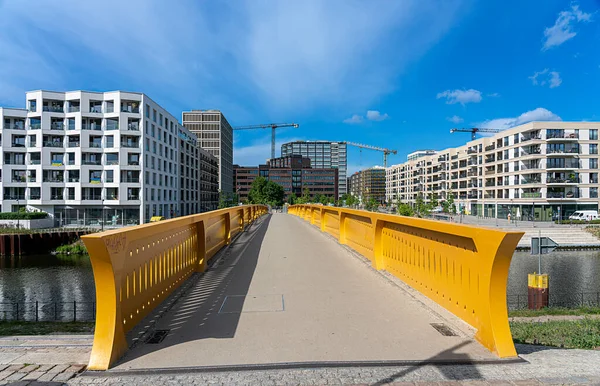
x: 285, y: 293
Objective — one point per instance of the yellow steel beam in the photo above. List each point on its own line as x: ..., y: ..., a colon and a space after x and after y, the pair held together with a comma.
x: 136, y: 268
x: 463, y: 268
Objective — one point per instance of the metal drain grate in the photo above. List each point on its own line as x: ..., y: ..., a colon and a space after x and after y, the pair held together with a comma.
x: 157, y: 336
x: 443, y: 329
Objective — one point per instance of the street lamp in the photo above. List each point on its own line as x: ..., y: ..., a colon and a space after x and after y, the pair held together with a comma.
x: 102, y: 218
x: 18, y: 219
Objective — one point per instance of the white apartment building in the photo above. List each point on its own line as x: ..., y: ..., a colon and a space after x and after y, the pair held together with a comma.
x: 215, y: 135
x: 89, y: 158
x: 539, y: 170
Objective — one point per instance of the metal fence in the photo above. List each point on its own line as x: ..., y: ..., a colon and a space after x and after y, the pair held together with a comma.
x: 48, y: 311
x: 572, y: 300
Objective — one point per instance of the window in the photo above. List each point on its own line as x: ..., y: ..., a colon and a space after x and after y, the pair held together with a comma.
x: 505, y: 141
x: 594, y: 134
x: 593, y: 148
x: 593, y: 163
x: 594, y: 192
x: 516, y: 138
x: 154, y: 115
x: 56, y: 193
x: 109, y: 176
x: 110, y: 141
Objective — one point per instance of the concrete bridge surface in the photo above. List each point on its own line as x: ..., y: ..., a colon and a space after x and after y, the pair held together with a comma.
x: 285, y: 293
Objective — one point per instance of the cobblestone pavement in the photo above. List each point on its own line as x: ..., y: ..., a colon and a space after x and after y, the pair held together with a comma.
x: 544, y: 366
x: 28, y: 374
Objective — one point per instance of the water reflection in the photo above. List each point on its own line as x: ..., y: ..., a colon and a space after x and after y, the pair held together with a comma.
x: 49, y: 278
x: 46, y: 278
x: 574, y: 276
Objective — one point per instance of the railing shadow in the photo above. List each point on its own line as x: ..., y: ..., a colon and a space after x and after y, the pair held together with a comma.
x: 196, y: 314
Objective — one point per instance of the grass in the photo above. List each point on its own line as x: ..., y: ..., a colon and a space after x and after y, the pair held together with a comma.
x: 583, y: 333
x: 556, y: 311
x: 44, y: 328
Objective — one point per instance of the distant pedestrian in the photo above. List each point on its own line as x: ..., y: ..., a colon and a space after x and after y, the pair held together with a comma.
x: 509, y: 217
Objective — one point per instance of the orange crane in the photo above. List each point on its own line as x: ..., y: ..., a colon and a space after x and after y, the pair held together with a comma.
x: 272, y: 126
x: 475, y: 130
x: 385, y: 152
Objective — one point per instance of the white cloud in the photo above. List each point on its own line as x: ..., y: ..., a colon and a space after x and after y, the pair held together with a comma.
x: 254, y: 53
x: 460, y: 96
x: 355, y: 119
x: 539, y: 114
x: 562, y: 30
x: 551, y: 78
x: 493, y: 95
x: 455, y: 119
x: 374, y: 115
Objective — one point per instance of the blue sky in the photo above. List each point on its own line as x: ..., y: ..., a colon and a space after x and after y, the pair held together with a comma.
x: 396, y: 74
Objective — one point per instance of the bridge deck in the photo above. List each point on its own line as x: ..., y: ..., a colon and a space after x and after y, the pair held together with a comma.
x: 284, y: 292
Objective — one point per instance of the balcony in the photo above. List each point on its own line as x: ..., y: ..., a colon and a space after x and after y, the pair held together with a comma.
x: 91, y: 126
x: 562, y: 195
x: 490, y: 147
x: 74, y: 144
x: 131, y: 108
x: 57, y: 126
x: 561, y: 181
x: 74, y: 109
x: 52, y: 144
x: 532, y: 195
x: 131, y: 180
x: 562, y: 152
x: 35, y: 126
x: 53, y: 179
x: 18, y: 179
x: 57, y: 163
x: 53, y: 109
x: 71, y: 162
x: 70, y: 196
x: 471, y: 151
x: 472, y: 196
x: 16, y: 126
x: 92, y: 197
x: 133, y: 126
x: 36, y: 196
x: 132, y: 145
x: 133, y: 163
x: 112, y: 162
x: 562, y: 136
x: 90, y: 162
x: 73, y: 179
x: 531, y: 181
x: 531, y: 138
x: 56, y: 197
x: 35, y: 162
x: 575, y: 164
x: 14, y: 196
x: 96, y: 109
x: 96, y: 145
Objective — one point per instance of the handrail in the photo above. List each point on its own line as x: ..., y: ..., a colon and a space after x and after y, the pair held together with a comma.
x: 462, y: 268
x: 136, y: 268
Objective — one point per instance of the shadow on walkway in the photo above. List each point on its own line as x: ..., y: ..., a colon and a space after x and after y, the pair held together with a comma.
x: 196, y: 314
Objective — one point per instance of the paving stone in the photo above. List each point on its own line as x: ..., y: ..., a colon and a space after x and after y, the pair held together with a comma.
x: 45, y: 368
x: 4, y: 374
x: 75, y: 368
x: 15, y: 367
x: 63, y: 377
x: 46, y: 377
x: 15, y: 376
x: 59, y: 368
x: 34, y: 375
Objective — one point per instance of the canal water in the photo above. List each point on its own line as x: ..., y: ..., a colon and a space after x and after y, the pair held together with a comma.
x: 56, y: 282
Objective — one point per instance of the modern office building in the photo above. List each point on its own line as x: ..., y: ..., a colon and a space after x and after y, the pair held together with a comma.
x: 369, y: 183
x: 418, y: 154
x: 539, y: 170
x: 323, y: 155
x: 88, y: 158
x: 294, y: 173
x: 215, y: 135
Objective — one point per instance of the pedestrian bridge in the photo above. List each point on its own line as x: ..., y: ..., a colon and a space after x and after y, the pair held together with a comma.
x: 317, y: 285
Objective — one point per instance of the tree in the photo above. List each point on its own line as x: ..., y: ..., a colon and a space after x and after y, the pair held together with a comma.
x: 266, y: 192
x: 305, y: 198
x: 433, y: 200
x: 420, y: 206
x: 451, y: 204
x: 351, y: 201
x: 405, y: 210
x: 372, y: 204
x: 227, y: 200
x: 292, y: 199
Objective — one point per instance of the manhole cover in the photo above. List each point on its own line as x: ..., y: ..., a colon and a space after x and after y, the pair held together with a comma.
x: 443, y: 329
x: 157, y: 336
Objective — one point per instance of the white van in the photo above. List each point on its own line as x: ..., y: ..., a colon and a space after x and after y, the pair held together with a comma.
x: 585, y: 215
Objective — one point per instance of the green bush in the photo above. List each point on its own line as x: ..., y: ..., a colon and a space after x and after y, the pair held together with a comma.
x: 583, y: 333
x: 22, y: 215
x: 577, y: 222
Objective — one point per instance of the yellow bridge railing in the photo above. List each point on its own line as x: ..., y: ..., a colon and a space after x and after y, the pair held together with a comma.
x: 136, y: 268
x: 463, y: 268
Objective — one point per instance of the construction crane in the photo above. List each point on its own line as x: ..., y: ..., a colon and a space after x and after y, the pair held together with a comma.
x: 475, y: 130
x: 273, y: 126
x: 385, y: 152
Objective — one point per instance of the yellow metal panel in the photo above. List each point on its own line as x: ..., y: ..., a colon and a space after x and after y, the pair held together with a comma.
x: 463, y: 268
x: 136, y: 268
